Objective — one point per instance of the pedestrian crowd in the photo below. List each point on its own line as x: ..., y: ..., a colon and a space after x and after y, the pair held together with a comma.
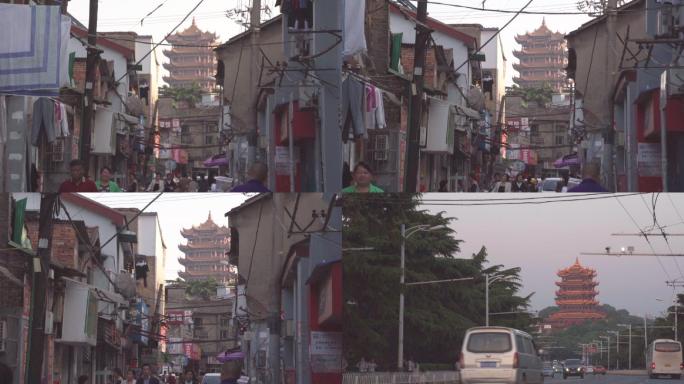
x: 361, y: 179
x: 231, y: 372
x: 171, y: 182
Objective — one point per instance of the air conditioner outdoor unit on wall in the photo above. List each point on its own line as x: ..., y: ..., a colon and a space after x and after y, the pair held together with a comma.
x: 675, y: 81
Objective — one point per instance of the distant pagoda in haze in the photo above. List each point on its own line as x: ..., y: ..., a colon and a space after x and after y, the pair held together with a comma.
x: 207, y: 247
x: 191, y: 58
x: 543, y: 57
x: 576, y: 297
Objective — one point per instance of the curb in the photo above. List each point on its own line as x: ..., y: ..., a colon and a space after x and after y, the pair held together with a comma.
x: 627, y: 373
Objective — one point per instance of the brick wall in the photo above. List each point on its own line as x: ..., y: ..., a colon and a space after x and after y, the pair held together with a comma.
x: 430, y: 69
x: 14, y: 262
x: 378, y: 35
x: 64, y: 242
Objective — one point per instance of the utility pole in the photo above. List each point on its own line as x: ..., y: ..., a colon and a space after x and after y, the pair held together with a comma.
x: 400, y: 354
x: 416, y: 111
x: 89, y: 107
x: 254, y: 27
x: 611, y: 65
x: 39, y: 288
x: 645, y: 338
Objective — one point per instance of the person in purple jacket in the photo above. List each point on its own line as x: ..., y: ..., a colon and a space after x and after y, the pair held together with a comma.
x: 258, y: 174
x: 591, y: 175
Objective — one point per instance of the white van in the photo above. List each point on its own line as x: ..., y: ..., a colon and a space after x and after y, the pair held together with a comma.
x: 664, y: 357
x: 500, y: 355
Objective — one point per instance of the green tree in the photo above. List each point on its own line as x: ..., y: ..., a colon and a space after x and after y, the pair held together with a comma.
x: 436, y: 315
x: 191, y: 95
x: 201, y: 288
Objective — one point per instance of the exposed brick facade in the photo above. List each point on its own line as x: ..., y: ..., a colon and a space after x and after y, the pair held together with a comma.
x: 15, y: 262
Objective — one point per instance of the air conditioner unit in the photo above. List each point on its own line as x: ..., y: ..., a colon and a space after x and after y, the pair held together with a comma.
x: 3, y: 335
x: 675, y: 81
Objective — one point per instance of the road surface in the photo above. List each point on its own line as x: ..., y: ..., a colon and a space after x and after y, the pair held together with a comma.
x: 610, y: 379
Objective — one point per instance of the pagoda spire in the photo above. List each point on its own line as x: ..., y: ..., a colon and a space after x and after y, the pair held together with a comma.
x: 543, y: 21
x: 193, y: 22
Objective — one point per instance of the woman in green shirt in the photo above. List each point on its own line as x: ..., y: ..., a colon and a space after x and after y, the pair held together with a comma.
x: 363, y: 180
x: 105, y: 184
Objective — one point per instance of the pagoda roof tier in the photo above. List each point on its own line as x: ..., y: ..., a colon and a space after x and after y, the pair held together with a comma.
x: 188, y: 51
x: 207, y: 226
x: 577, y: 269
x: 538, y: 80
x: 527, y: 52
x: 545, y: 65
x: 577, y: 315
x: 542, y: 31
x: 205, y: 246
x: 188, y: 78
x: 192, y: 30
x: 560, y: 302
x: 195, y: 261
x: 187, y: 65
x: 591, y: 293
x: 577, y: 283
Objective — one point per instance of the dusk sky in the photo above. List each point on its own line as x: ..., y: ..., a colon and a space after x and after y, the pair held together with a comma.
x: 125, y: 15
x: 544, y: 238
x: 176, y: 211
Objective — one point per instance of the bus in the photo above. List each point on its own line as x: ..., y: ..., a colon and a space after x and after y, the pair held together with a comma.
x: 664, y: 357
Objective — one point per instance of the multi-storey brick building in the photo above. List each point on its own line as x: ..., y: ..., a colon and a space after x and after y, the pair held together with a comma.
x: 543, y: 58
x: 192, y: 59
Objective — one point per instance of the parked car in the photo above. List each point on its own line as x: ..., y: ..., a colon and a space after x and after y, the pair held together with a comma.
x: 551, y: 183
x: 211, y: 378
x: 589, y: 369
x: 500, y: 355
x: 599, y: 370
x: 558, y: 368
x: 549, y: 371
x: 573, y: 367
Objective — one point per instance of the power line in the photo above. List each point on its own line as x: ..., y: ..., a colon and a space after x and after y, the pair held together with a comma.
x: 645, y: 237
x: 165, y: 37
x: 496, y: 34
x: 571, y: 198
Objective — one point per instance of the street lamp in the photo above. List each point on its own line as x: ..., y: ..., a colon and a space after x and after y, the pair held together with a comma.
x: 617, y: 343
x: 676, y: 315
x: 489, y: 280
x: 630, y: 342
x: 608, y: 338
x: 405, y: 234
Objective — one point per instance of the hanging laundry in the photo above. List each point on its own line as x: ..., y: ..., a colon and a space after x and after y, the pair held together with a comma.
x: 43, y: 120
x: 354, y: 27
x: 299, y: 12
x: 141, y: 269
x: 33, y: 50
x: 371, y: 104
x: 65, y: 120
x: 352, y: 108
x: 3, y: 120
x: 61, y: 120
x: 380, y: 121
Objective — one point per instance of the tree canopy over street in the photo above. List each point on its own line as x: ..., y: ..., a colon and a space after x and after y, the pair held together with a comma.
x: 436, y: 315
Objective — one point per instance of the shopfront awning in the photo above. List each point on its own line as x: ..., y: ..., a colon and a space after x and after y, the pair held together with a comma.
x: 230, y: 355
x: 567, y: 161
x: 216, y: 160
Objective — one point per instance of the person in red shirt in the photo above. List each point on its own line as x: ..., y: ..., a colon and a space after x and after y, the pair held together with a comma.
x: 77, y: 183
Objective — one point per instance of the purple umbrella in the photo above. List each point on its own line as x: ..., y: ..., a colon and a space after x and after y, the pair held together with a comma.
x: 216, y: 160
x: 229, y: 356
